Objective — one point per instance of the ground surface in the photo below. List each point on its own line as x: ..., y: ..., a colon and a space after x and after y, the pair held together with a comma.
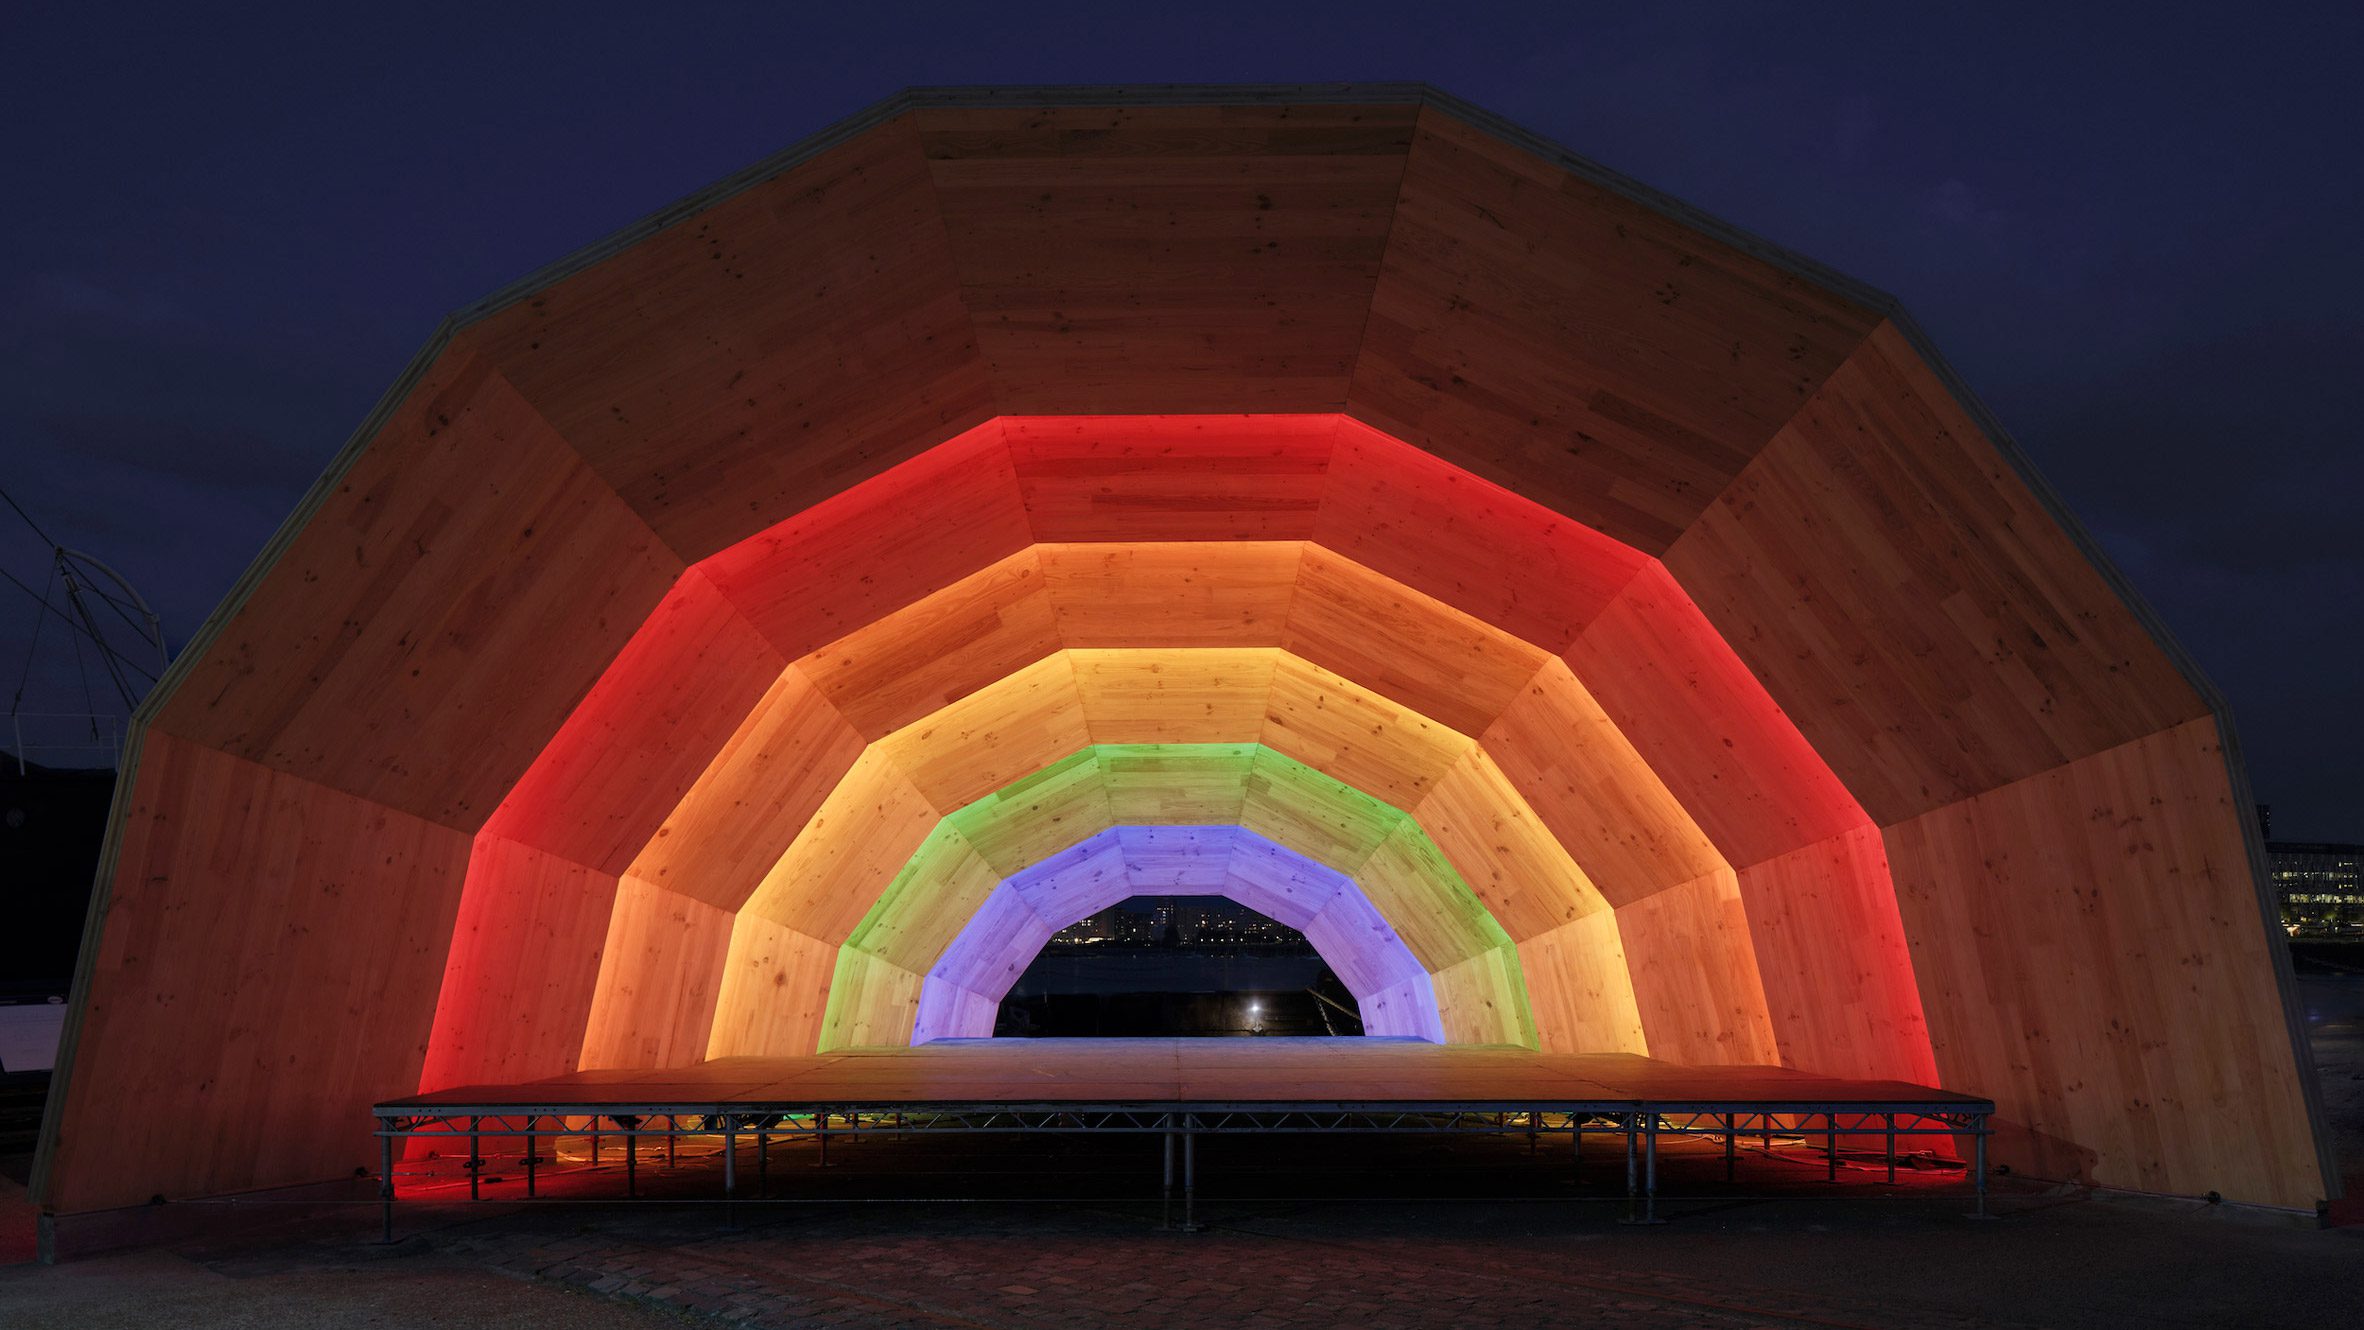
x: 1373, y: 1234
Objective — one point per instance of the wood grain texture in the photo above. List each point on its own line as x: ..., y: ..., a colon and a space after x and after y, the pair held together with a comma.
x: 1508, y: 561
x: 1694, y: 974
x: 942, y: 887
x: 1317, y: 815
x: 1999, y: 650
x: 775, y: 991
x: 1077, y: 882
x: 1171, y: 478
x: 753, y: 799
x: 912, y: 662
x: 751, y: 361
x: 1830, y: 950
x: 660, y: 978
x: 1503, y: 849
x: 813, y: 575
x: 996, y: 945
x: 1363, y: 738
x: 2088, y: 949
x: 1167, y: 258
x: 1424, y: 653
x: 1577, y: 347
x: 864, y: 833
x: 438, y: 616
x: 1278, y: 882
x: 873, y: 1003
x: 1580, y: 987
x: 1178, y: 861
x: 1412, y: 885
x: 1029, y: 719
x: 499, y: 1017
x: 1208, y: 695
x: 1036, y: 816
x: 636, y: 744
x: 301, y: 1037
x: 1405, y: 1010
x: 1690, y: 707
x: 1615, y: 817
x: 1483, y: 1000
x: 1167, y: 593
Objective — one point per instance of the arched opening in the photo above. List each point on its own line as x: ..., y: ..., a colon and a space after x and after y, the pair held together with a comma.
x: 1182, y: 966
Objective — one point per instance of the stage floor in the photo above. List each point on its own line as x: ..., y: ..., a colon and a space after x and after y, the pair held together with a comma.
x: 1340, y: 1073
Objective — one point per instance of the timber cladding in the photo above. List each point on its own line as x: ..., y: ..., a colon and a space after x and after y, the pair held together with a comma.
x: 1604, y: 632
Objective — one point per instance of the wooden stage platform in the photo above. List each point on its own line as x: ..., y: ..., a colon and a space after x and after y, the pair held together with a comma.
x: 1179, y: 1089
x: 1329, y: 1074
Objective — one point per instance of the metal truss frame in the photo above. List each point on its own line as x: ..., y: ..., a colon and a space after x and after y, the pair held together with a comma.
x: 1638, y: 1125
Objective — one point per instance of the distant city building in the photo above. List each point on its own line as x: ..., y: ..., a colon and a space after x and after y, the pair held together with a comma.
x: 2321, y: 887
x: 1194, y: 921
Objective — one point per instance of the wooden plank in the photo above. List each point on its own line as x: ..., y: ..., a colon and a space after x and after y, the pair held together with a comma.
x: 523, y: 963
x: 1426, y: 655
x: 1208, y: 695
x: 1277, y: 1070
x: 1689, y: 705
x: 969, y: 749
x: 1077, y: 882
x: 906, y: 665
x: 791, y: 340
x: 1506, y: 560
x: 1695, y: 976
x: 943, y: 885
x: 1410, y: 882
x: 227, y: 873
x: 1278, y: 882
x: 1178, y: 861
x: 873, y: 1003
x: 775, y: 991
x: 822, y: 572
x: 1999, y: 650
x: 862, y: 836
x: 1316, y: 815
x: 2089, y: 954
x: 1581, y: 988
x: 1830, y: 949
x: 455, y: 596
x: 753, y: 799
x: 1354, y: 938
x: 1503, y: 850
x: 1037, y: 816
x: 1578, y: 347
x: 1177, y: 783
x: 651, y: 724
x: 1172, y: 594
x: 1171, y: 478
x: 1167, y: 258
x: 660, y: 977
x: 1598, y: 796
x: 1358, y: 736
x: 948, y: 1011
x: 1483, y: 1000
x: 1405, y: 1011
x: 993, y: 948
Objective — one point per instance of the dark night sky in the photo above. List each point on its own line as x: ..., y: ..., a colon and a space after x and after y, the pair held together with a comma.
x: 228, y: 230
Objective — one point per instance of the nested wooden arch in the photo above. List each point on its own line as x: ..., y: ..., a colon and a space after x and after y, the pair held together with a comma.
x: 1891, y: 647
x: 961, y: 991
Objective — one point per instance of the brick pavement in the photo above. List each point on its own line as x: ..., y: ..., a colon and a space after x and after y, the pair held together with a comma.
x: 1039, y: 1269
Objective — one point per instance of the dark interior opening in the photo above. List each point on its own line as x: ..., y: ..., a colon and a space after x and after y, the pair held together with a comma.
x: 1166, y: 966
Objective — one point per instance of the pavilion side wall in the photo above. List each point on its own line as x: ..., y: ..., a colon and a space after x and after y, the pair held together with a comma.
x: 2091, y: 956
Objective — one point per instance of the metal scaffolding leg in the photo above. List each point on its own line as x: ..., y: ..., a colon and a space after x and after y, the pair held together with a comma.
x: 1731, y: 1147
x: 821, y: 1123
x: 1891, y: 1148
x: 1830, y: 1122
x: 533, y: 1152
x: 475, y: 1157
x: 1166, y: 1205
x: 1978, y: 1165
x: 631, y: 1156
x: 730, y: 1170
x: 386, y: 1182
x: 1190, y: 1173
